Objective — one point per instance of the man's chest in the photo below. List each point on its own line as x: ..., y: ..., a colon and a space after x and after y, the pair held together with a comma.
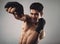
x: 29, y: 26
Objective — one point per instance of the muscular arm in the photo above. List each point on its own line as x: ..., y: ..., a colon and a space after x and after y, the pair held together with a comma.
x: 22, y: 18
x: 17, y: 10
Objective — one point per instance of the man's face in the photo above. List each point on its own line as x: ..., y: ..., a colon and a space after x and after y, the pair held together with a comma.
x: 34, y: 14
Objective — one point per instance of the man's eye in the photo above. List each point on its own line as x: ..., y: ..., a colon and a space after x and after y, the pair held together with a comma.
x: 31, y: 13
x: 36, y: 13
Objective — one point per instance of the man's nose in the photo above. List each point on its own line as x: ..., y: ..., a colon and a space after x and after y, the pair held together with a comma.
x: 33, y: 15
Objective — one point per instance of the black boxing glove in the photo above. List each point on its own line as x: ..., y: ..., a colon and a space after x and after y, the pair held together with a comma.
x: 40, y: 25
x: 19, y: 8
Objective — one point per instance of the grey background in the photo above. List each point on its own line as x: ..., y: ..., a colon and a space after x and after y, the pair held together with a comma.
x: 10, y: 28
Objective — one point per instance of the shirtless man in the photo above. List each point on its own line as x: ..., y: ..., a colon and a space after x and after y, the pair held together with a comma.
x: 31, y: 26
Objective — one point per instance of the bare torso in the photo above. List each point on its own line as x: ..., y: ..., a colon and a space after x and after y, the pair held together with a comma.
x: 28, y: 32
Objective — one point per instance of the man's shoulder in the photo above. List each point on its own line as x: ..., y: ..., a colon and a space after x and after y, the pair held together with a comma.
x: 27, y: 15
x: 28, y: 18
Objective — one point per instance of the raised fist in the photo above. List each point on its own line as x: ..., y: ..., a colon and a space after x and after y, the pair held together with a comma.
x: 14, y: 8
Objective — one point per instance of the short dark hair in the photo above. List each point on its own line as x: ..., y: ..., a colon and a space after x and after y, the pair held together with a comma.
x: 37, y: 6
x: 18, y: 6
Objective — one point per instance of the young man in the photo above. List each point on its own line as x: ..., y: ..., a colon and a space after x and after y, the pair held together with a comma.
x: 32, y: 23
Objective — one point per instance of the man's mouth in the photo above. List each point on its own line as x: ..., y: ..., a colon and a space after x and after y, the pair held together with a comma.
x: 34, y: 19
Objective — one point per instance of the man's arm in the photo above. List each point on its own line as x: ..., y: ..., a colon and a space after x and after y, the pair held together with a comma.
x: 40, y: 28
x: 22, y: 18
x: 41, y: 34
x: 16, y: 9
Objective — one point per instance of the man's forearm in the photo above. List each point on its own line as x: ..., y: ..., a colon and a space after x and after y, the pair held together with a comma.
x: 20, y: 17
